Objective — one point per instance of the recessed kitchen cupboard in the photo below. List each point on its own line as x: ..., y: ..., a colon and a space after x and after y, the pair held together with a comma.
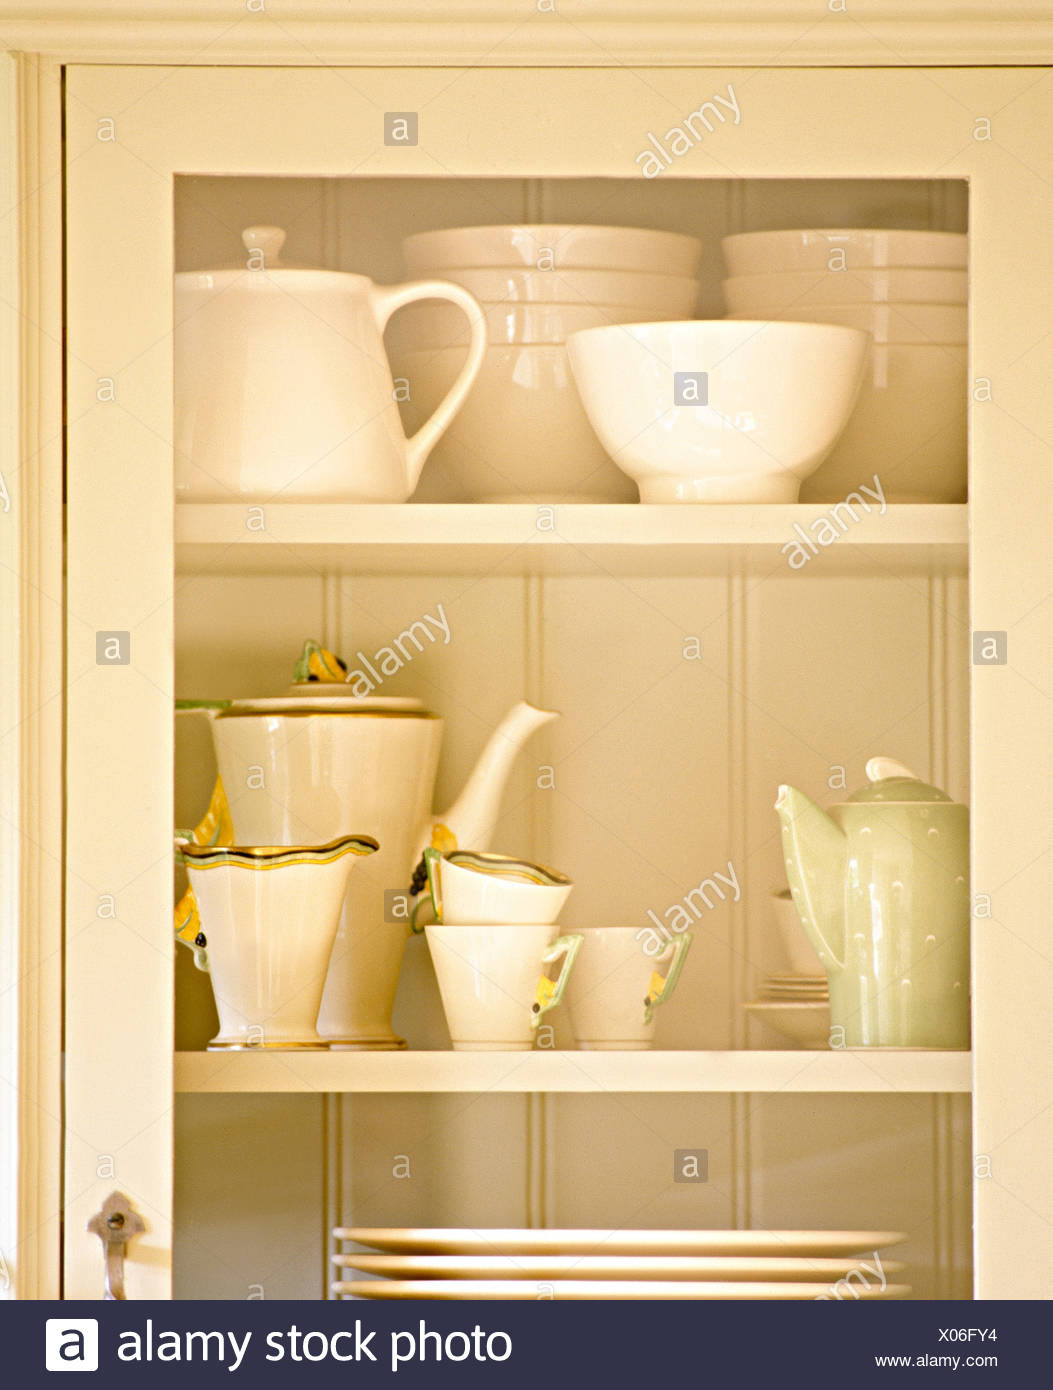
x: 694, y: 668
x: 689, y: 687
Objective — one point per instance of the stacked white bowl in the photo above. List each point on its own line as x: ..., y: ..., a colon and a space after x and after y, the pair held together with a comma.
x: 909, y: 291
x: 522, y: 435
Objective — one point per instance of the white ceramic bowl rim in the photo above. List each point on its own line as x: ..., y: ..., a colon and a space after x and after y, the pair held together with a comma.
x: 529, y: 272
x: 530, y: 306
x: 440, y: 927
x: 644, y: 289
x: 904, y: 244
x: 461, y: 238
x: 734, y: 328
x: 933, y: 274
x: 949, y: 238
x: 492, y: 228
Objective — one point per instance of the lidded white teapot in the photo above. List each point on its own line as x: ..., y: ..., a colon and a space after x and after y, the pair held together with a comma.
x: 282, y: 385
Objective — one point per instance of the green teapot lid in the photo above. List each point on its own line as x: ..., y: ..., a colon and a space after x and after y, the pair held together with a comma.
x: 888, y: 780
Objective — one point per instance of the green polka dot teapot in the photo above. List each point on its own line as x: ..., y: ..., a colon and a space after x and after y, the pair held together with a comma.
x: 881, y: 885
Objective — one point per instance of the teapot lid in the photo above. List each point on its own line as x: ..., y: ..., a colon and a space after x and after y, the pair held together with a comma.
x: 263, y: 246
x: 888, y: 780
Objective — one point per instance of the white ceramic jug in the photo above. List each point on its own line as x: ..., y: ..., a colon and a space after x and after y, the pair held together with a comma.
x: 268, y: 918
x: 282, y: 385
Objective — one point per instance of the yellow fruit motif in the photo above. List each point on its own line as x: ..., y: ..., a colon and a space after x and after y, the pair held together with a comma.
x: 543, y: 996
x: 324, y: 666
x: 187, y: 923
x: 186, y: 920
x: 216, y: 827
x: 316, y: 663
x: 443, y: 839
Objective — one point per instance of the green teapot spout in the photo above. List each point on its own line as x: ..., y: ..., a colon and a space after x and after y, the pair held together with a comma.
x: 815, y: 850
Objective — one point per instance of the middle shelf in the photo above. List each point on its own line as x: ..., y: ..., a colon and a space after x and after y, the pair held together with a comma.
x: 860, y: 1071
x: 476, y: 538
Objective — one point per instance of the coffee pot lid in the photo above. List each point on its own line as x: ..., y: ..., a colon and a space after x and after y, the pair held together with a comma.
x: 890, y: 781
x: 324, y: 684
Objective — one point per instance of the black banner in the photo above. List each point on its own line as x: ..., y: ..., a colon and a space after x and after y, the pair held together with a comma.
x: 550, y: 1343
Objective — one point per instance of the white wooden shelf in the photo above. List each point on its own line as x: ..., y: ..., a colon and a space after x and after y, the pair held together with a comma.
x: 459, y: 538
x: 847, y: 1071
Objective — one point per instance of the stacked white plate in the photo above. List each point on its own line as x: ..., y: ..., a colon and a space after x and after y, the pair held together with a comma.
x: 806, y: 988
x: 909, y: 290
x: 456, y: 1263
x: 797, y: 1006
x: 522, y: 434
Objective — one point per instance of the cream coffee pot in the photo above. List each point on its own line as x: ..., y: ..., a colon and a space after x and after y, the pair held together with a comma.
x: 317, y: 763
x: 282, y: 385
x: 881, y: 884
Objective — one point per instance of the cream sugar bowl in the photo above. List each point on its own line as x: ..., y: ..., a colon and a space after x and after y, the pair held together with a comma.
x: 469, y: 887
x: 617, y: 986
x: 494, y: 980
x: 267, y: 917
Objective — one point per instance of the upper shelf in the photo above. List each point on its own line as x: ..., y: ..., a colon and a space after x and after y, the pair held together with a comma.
x: 862, y: 1070
x: 477, y: 538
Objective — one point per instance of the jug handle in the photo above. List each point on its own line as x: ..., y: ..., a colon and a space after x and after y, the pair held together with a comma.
x: 386, y: 299
x: 215, y: 828
x: 550, y: 992
x: 661, y: 987
x: 432, y: 858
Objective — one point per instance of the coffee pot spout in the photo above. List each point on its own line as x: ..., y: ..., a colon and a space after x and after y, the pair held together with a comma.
x: 472, y: 817
x: 815, y: 852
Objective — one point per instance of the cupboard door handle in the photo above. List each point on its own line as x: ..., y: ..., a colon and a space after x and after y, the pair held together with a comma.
x: 115, y: 1226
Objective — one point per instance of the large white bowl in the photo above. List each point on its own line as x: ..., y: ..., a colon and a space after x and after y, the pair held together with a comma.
x: 908, y: 429
x: 886, y: 323
x: 521, y: 436
x: 814, y: 248
x: 658, y: 293
x: 778, y: 396
x: 766, y: 294
x: 553, y: 243
x: 437, y: 325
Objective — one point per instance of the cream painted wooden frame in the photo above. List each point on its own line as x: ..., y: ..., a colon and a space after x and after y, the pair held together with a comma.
x: 985, y: 126
x: 591, y: 33
x: 31, y: 679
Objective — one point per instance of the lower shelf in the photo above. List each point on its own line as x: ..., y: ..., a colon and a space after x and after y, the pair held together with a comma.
x: 859, y: 1071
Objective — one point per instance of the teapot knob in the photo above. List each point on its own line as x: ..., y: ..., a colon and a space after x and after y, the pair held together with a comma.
x: 263, y: 245
x: 880, y: 768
